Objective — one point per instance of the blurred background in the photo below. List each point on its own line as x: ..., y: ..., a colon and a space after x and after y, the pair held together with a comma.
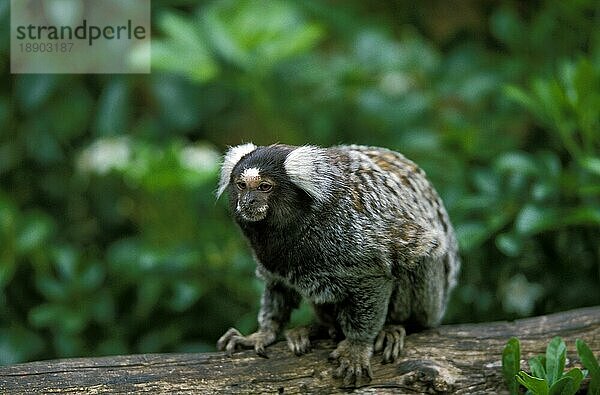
x: 111, y: 241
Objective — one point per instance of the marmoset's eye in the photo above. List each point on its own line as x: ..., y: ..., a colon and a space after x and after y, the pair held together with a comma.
x: 264, y: 187
x: 241, y: 185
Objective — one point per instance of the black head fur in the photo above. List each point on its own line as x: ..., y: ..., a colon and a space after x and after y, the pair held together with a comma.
x: 286, y: 201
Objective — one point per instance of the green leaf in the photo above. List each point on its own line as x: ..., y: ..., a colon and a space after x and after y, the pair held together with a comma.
x: 222, y: 39
x: 511, y: 357
x: 69, y: 114
x: 33, y: 90
x: 591, y: 164
x: 256, y: 35
x: 185, y: 294
x: 73, y: 321
x: 581, y: 216
x: 471, y: 235
x: 66, y: 259
x: 180, y: 102
x: 43, y: 147
x: 587, y: 358
x: 577, y: 375
x: 591, y: 364
x: 517, y: 162
x: 519, y: 96
x: 34, y: 232
x: 5, y: 112
x: 551, y: 99
x: 68, y: 344
x: 536, y: 364
x: 7, y: 270
x: 113, y: 109
x: 19, y: 344
x: 508, y: 28
x: 534, y: 384
x: 510, y: 244
x: 46, y: 315
x: 52, y: 289
x: 534, y: 219
x: 149, y: 295
x: 556, y: 354
x: 92, y: 276
x: 564, y: 386
x: 185, y: 49
x: 486, y: 181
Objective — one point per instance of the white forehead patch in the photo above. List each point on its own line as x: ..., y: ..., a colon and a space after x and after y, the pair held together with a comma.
x: 251, y: 174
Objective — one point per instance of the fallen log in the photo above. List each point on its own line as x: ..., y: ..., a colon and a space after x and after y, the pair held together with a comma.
x: 461, y: 359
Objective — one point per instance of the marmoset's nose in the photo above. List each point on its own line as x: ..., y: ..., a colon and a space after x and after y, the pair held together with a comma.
x: 250, y: 199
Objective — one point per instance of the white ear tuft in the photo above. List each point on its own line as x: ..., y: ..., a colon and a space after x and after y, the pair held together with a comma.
x: 231, y: 158
x: 308, y: 167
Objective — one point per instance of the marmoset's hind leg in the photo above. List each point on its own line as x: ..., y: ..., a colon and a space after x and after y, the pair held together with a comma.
x: 420, y: 295
x: 429, y: 293
x: 299, y: 339
x: 418, y: 301
x: 390, y: 340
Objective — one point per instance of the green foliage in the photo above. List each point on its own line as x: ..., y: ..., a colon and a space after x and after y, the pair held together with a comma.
x: 534, y: 384
x: 547, y: 371
x: 111, y: 240
x: 556, y: 354
x: 184, y: 49
x: 569, y: 106
x: 511, y: 364
x: 591, y: 364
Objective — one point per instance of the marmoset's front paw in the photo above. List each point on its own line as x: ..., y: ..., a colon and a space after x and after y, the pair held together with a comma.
x: 354, y: 359
x: 233, y: 339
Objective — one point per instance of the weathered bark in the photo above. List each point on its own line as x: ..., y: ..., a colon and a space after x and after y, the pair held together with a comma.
x: 463, y: 359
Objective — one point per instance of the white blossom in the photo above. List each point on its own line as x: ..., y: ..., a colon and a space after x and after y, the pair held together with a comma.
x: 198, y: 158
x: 105, y: 154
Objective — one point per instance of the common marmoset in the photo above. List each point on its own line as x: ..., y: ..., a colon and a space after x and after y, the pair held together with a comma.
x: 357, y: 231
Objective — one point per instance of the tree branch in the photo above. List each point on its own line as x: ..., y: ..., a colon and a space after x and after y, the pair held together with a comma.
x: 462, y: 359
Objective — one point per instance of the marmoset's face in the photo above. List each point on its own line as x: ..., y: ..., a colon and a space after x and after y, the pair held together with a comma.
x: 253, y: 191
